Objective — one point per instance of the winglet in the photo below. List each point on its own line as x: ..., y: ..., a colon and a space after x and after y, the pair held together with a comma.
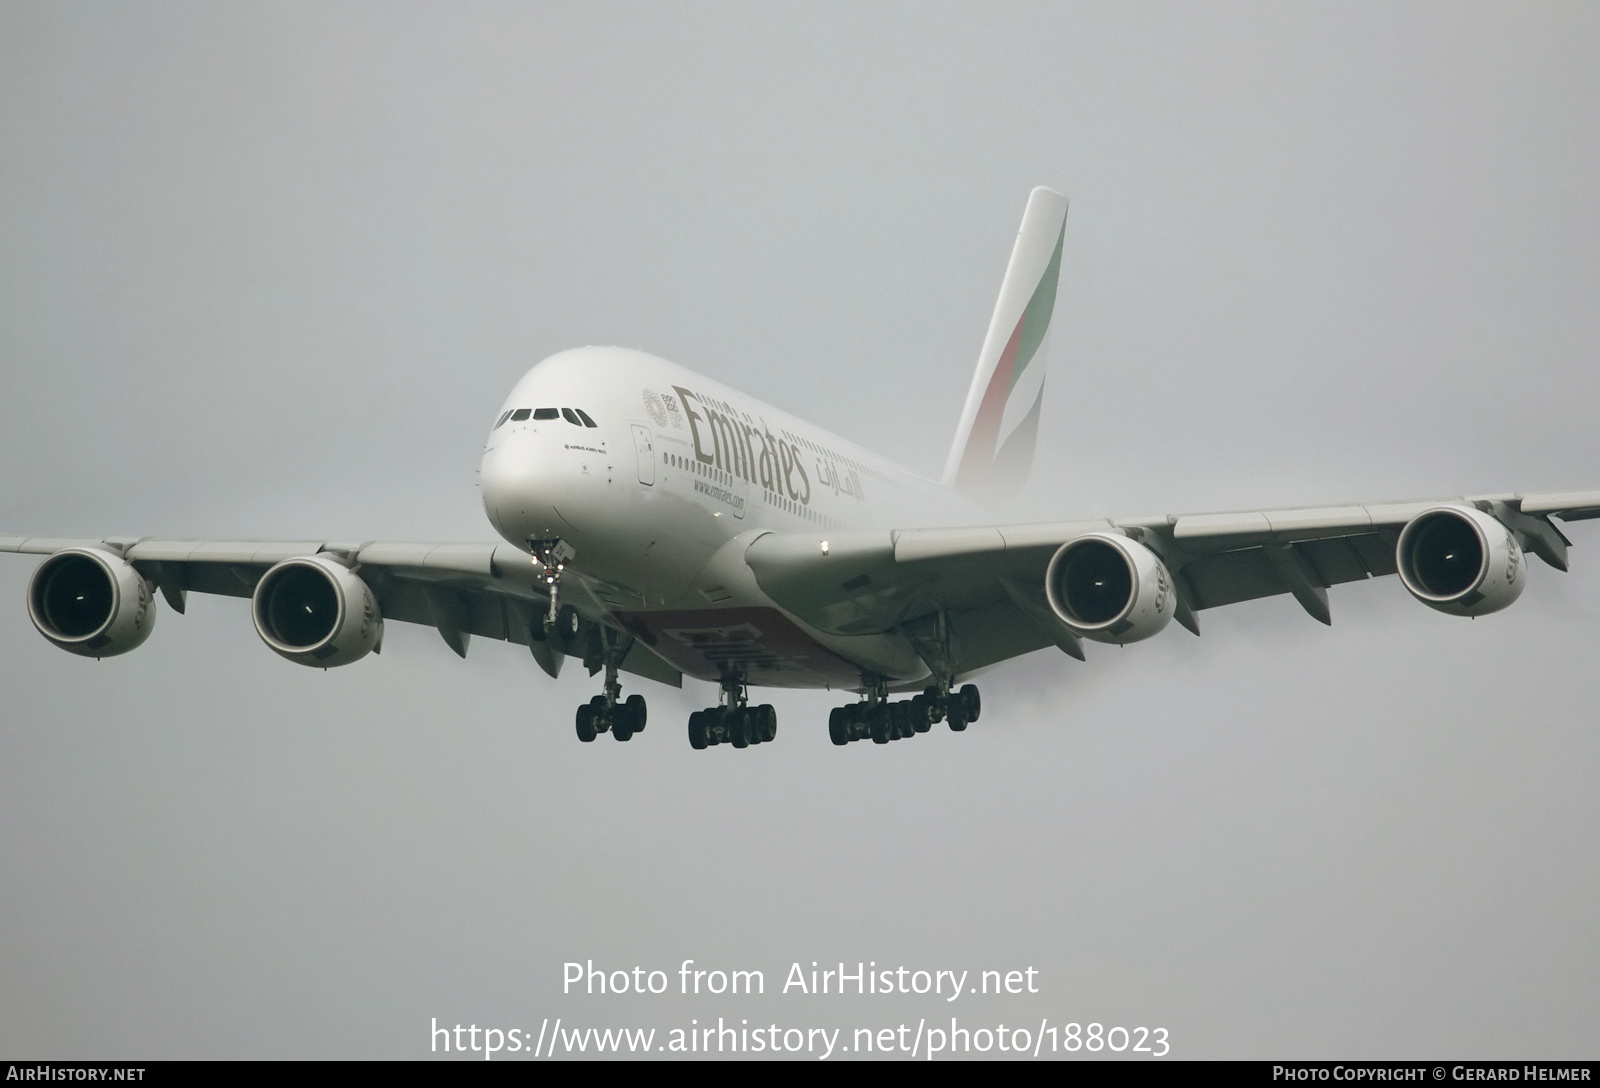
x: 993, y: 448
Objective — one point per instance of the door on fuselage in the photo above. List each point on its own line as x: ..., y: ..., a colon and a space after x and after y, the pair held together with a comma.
x: 644, y: 448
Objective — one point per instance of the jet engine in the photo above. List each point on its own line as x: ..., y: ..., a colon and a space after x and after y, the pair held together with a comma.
x: 1460, y: 560
x: 91, y: 602
x: 1109, y: 588
x: 314, y: 611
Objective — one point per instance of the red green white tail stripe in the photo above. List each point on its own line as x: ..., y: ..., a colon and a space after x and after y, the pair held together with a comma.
x: 993, y: 450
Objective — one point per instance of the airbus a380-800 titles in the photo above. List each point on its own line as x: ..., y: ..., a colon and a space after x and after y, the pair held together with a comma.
x: 658, y: 523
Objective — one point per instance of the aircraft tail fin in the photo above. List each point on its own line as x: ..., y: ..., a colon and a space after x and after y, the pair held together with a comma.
x: 993, y: 448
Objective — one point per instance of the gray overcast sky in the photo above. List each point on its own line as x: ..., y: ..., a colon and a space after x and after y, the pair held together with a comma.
x: 267, y: 271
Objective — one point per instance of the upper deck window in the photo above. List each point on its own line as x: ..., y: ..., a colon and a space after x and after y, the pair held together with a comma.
x: 546, y: 413
x: 520, y: 414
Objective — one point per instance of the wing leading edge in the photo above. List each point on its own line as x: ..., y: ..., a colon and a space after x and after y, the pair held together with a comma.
x: 982, y: 590
x: 963, y: 597
x: 460, y: 590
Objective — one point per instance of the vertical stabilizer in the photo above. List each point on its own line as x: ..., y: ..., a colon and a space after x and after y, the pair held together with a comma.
x: 993, y: 450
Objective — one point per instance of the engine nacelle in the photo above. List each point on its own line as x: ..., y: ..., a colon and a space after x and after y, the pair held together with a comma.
x: 314, y: 611
x: 1460, y: 560
x: 1109, y: 588
x: 91, y: 602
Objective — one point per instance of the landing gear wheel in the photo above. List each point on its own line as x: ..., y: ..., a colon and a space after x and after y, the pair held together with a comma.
x: 838, y: 726
x: 636, y: 712
x: 878, y: 723
x: 857, y: 719
x: 971, y: 705
x: 622, y: 722
x: 586, y: 723
x: 769, y: 722
x: 565, y: 628
x: 738, y: 728
x: 921, y: 717
x: 697, y: 730
x: 956, y: 715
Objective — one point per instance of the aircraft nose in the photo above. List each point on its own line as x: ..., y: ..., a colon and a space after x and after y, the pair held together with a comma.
x: 495, y: 482
x: 519, y: 489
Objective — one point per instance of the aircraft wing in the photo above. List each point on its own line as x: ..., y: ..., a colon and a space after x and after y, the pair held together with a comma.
x: 988, y: 582
x: 460, y: 590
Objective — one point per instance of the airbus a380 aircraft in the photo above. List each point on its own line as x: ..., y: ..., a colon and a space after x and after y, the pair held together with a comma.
x: 661, y: 524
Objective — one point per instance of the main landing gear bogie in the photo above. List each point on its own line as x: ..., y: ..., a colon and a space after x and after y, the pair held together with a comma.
x: 607, y: 712
x: 734, y: 721
x: 739, y: 726
x: 621, y: 719
x: 884, y: 721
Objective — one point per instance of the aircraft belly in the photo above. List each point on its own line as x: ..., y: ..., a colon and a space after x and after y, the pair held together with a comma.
x: 768, y: 647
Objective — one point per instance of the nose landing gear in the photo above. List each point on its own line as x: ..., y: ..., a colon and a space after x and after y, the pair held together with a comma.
x: 553, y: 557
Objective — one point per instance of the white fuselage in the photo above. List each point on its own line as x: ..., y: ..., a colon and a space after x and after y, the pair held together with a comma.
x: 660, y: 497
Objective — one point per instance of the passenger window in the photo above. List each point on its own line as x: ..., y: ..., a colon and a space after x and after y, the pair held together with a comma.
x: 571, y: 417
x: 519, y: 415
x: 546, y: 413
x: 587, y: 422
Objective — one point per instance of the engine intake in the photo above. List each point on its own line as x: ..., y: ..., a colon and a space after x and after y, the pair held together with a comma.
x: 1459, y: 560
x: 1109, y: 588
x: 91, y: 602
x: 315, y: 611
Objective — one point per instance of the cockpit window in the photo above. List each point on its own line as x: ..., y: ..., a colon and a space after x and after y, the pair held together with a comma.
x: 503, y: 417
x: 575, y: 416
